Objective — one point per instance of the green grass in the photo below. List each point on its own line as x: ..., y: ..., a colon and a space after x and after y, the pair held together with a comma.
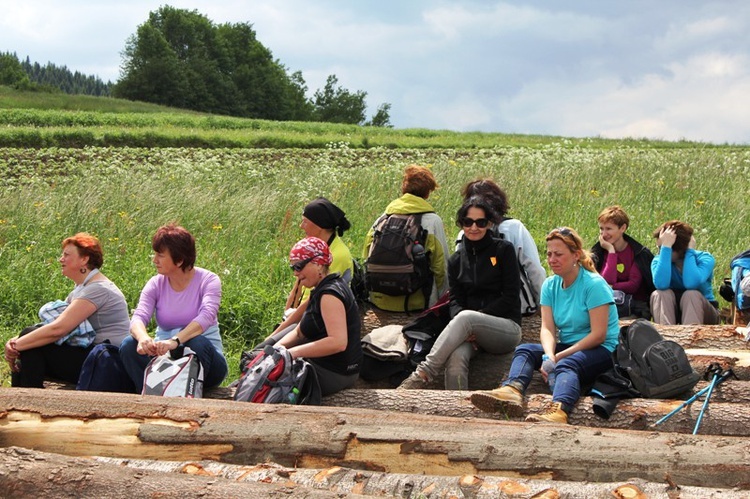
x: 243, y: 204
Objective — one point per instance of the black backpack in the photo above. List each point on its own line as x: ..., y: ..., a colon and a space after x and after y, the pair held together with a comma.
x: 102, y: 371
x: 657, y: 368
x: 397, y: 264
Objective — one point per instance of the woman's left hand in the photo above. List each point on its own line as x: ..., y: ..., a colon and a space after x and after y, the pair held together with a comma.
x: 164, y: 346
x: 12, y: 355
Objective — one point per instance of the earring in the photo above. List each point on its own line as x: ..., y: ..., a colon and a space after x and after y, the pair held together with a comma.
x: 83, y: 270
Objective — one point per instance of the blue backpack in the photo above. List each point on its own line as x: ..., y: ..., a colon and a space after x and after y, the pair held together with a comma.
x: 102, y: 371
x: 740, y: 266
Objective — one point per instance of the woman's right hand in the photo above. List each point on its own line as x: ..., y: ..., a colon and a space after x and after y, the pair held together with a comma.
x: 606, y: 245
x: 147, y: 346
x: 12, y: 355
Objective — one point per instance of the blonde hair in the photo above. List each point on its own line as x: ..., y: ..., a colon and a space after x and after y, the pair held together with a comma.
x: 573, y: 241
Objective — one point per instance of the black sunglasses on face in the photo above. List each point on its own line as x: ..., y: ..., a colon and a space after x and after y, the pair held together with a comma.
x: 297, y: 267
x: 468, y: 222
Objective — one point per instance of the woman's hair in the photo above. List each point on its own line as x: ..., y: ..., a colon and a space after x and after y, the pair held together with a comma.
x: 89, y: 246
x: 683, y: 231
x: 487, y: 188
x: 178, y: 241
x: 614, y: 214
x: 419, y: 181
x: 573, y: 241
x: 480, y: 202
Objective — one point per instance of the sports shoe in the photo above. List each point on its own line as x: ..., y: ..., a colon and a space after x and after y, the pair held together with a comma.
x: 552, y: 413
x: 507, y: 399
x: 413, y: 382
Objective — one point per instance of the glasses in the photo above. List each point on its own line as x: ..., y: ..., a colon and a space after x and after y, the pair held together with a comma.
x: 563, y: 231
x: 297, y: 267
x: 468, y: 222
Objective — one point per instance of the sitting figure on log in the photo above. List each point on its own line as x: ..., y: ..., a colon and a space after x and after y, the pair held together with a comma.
x: 579, y: 332
x: 485, y: 307
x: 624, y: 263
x: 184, y: 300
x: 95, y: 307
x: 328, y: 334
x: 683, y: 278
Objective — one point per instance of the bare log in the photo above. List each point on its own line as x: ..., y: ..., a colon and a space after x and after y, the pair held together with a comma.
x: 119, y: 425
x: 720, y: 418
x: 25, y: 473
x: 347, y: 480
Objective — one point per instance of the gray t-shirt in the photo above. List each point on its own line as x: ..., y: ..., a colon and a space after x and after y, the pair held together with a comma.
x: 111, y: 320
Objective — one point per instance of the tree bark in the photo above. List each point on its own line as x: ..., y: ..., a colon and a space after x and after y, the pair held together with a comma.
x: 119, y: 425
x: 27, y: 473
x: 720, y: 418
x: 347, y: 480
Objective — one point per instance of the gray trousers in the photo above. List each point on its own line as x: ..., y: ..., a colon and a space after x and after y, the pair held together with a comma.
x: 693, y: 306
x: 451, y: 350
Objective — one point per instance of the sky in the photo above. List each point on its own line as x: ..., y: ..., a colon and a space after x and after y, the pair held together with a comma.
x: 668, y: 69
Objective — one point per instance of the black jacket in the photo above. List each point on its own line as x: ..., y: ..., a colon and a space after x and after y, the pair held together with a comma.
x: 476, y: 283
x: 643, y: 257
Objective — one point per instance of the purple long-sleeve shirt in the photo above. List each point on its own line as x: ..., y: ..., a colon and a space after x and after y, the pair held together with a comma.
x: 172, y: 309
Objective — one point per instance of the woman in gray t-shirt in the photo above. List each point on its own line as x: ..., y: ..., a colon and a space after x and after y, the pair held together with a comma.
x: 34, y: 356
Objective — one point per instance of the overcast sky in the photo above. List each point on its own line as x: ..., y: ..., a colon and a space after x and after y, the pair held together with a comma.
x: 669, y: 69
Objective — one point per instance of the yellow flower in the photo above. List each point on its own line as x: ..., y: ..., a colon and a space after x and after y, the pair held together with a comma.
x: 217, y: 227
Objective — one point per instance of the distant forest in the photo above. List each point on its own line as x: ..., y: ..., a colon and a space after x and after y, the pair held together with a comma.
x: 182, y: 59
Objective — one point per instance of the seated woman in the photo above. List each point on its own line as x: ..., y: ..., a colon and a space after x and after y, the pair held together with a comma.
x: 485, y: 306
x: 624, y: 263
x: 417, y: 185
x: 516, y: 233
x: 683, y: 278
x: 35, y: 356
x: 328, y: 335
x: 184, y: 300
x: 579, y: 333
x: 324, y: 220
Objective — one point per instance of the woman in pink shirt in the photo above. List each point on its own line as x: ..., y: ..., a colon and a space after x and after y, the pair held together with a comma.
x: 184, y: 301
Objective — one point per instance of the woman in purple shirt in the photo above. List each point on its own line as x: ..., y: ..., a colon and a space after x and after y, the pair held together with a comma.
x: 184, y: 300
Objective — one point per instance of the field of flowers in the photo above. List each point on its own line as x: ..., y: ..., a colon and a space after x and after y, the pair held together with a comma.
x: 244, y: 207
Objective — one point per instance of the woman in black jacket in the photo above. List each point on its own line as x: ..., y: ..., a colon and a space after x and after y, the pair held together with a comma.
x: 484, y: 301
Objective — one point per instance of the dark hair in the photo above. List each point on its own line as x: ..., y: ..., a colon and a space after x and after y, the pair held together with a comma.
x: 477, y: 202
x: 178, y: 241
x: 89, y: 246
x: 487, y: 188
x: 419, y: 181
x: 683, y: 231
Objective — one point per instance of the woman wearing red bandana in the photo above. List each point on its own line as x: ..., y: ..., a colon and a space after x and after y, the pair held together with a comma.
x: 328, y: 335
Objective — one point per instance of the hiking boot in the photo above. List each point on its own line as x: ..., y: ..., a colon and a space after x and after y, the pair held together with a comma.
x: 413, y: 382
x: 552, y: 413
x: 507, y: 399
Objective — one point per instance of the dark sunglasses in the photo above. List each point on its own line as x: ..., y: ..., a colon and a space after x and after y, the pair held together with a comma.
x: 563, y: 231
x: 297, y: 267
x: 468, y: 222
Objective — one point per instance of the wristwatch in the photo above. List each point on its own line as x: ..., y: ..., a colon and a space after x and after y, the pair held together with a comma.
x: 176, y: 339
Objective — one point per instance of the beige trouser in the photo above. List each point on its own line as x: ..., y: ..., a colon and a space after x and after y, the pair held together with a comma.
x: 694, y: 307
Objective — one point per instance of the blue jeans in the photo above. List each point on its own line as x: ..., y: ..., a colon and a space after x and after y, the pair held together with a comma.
x: 580, y: 368
x: 214, y: 364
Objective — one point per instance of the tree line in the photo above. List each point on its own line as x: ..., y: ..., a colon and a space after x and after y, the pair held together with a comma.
x: 182, y: 59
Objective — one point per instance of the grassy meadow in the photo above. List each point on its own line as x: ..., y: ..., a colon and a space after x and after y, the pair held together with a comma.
x: 244, y: 204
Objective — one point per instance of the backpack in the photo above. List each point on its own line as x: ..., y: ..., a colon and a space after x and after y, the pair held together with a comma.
x: 397, y: 264
x: 657, y: 368
x: 274, y: 377
x: 177, y: 373
x: 102, y: 371
x: 422, y: 331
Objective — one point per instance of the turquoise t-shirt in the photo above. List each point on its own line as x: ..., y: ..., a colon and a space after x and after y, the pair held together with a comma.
x: 570, y: 307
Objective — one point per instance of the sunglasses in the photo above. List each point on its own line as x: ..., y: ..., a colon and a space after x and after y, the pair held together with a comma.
x: 468, y: 222
x: 563, y: 231
x: 297, y: 267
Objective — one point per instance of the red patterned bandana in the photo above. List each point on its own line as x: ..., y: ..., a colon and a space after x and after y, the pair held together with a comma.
x: 311, y: 248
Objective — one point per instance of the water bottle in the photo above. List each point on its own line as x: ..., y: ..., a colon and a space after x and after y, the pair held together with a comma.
x: 548, y: 365
x: 417, y: 252
x: 292, y: 397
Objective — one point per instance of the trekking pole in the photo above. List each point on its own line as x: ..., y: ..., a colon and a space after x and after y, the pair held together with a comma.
x: 713, y: 368
x: 717, y: 379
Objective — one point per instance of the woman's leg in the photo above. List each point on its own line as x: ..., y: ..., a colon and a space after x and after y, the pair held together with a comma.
x: 498, y: 334
x: 59, y: 362
x: 331, y: 382
x: 134, y: 363
x: 580, y: 368
x: 214, y: 364
x: 696, y: 309
x: 664, y: 306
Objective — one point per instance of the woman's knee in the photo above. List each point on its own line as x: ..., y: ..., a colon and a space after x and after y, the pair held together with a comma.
x: 128, y: 347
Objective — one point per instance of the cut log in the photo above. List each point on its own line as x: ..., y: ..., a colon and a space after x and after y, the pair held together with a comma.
x: 347, y: 480
x: 720, y: 418
x: 119, y: 425
x: 27, y: 473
